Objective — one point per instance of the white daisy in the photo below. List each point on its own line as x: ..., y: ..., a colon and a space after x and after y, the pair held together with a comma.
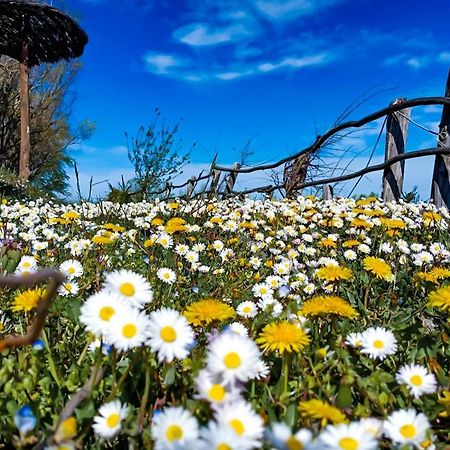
x: 233, y: 357
x: 211, y: 388
x: 166, y: 275
x: 417, y: 378
x: 174, y: 428
x: 407, y: 427
x: 247, y: 309
x: 71, y: 268
x: 221, y: 437
x: 352, y: 436
x: 378, y: 342
x: 130, y: 286
x: 98, y: 310
x: 68, y: 288
x: 282, y: 437
x: 169, y: 334
x: 127, y: 330
x: 354, y: 339
x: 244, y: 421
x: 109, y: 421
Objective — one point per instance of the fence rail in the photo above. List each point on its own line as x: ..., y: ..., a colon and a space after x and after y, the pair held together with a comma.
x: 397, y: 120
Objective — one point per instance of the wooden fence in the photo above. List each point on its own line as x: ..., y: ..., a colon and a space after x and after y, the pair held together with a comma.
x: 220, y: 180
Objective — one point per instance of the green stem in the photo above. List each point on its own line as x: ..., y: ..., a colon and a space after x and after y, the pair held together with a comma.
x: 51, y: 362
x: 141, y: 417
x: 285, y: 363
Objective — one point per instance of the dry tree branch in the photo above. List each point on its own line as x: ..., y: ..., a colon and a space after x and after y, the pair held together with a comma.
x: 56, y: 279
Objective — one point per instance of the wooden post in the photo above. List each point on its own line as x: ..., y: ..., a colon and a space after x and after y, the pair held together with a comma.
x: 440, y: 188
x: 168, y: 189
x: 231, y: 179
x: 396, y: 135
x: 215, y: 181
x: 191, y: 187
x: 327, y: 192
x: 24, y: 160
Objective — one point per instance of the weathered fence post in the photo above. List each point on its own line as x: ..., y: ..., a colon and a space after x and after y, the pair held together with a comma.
x: 396, y: 135
x: 327, y: 193
x: 214, y: 182
x: 191, y: 187
x: 440, y: 188
x: 168, y: 190
x: 231, y: 179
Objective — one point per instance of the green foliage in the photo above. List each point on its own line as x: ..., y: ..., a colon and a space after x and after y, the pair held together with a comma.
x: 157, y: 156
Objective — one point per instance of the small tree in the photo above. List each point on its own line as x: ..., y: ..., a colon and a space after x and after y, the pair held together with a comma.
x: 156, y: 154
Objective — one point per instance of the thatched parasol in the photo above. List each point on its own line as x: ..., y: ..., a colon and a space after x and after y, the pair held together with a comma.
x: 34, y: 34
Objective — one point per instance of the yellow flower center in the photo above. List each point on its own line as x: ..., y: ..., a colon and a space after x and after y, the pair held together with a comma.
x: 348, y: 443
x: 294, y: 444
x: 127, y: 289
x: 166, y: 275
x: 378, y: 344
x: 129, y: 330
x: 232, y: 360
x: 113, y: 420
x: 2, y: 327
x: 106, y: 313
x: 216, y: 392
x: 223, y: 447
x: 408, y: 431
x: 416, y: 380
x: 26, y: 265
x: 174, y: 433
x: 71, y: 270
x: 246, y: 309
x: 237, y: 426
x: 168, y: 334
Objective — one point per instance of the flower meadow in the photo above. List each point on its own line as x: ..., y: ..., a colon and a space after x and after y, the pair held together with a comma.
x: 229, y: 325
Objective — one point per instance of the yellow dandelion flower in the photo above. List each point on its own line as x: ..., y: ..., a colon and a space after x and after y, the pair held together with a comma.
x: 71, y: 215
x: 334, y: 273
x: 351, y: 243
x: 113, y: 227
x: 393, y: 223
x: 317, y: 409
x: 431, y: 216
x: 157, y: 221
x: 28, y: 300
x: 360, y: 223
x: 209, y: 310
x: 440, y: 298
x: 326, y: 242
x: 283, y: 336
x: 175, y: 224
x: 440, y: 273
x: 173, y: 205
x: 327, y: 304
x: 366, y: 201
x: 378, y: 267
x: 102, y: 240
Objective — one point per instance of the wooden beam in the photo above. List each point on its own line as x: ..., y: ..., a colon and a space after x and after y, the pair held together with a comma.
x: 396, y: 135
x: 25, y: 147
x: 440, y: 188
x: 215, y: 181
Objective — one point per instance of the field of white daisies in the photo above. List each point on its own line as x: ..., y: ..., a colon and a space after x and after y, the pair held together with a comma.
x: 228, y: 325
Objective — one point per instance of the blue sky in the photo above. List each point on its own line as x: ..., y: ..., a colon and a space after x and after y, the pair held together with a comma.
x: 276, y: 72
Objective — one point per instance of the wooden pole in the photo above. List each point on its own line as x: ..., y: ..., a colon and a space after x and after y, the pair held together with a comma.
x: 231, y: 180
x: 396, y: 135
x: 191, y: 187
x: 440, y: 188
x: 25, y: 147
x: 215, y: 181
x: 327, y: 192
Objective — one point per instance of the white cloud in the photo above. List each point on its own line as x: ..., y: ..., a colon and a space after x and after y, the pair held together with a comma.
x: 162, y: 63
x: 297, y: 63
x: 417, y: 63
x: 199, y: 34
x: 291, y: 9
x: 444, y: 57
x: 432, y: 109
